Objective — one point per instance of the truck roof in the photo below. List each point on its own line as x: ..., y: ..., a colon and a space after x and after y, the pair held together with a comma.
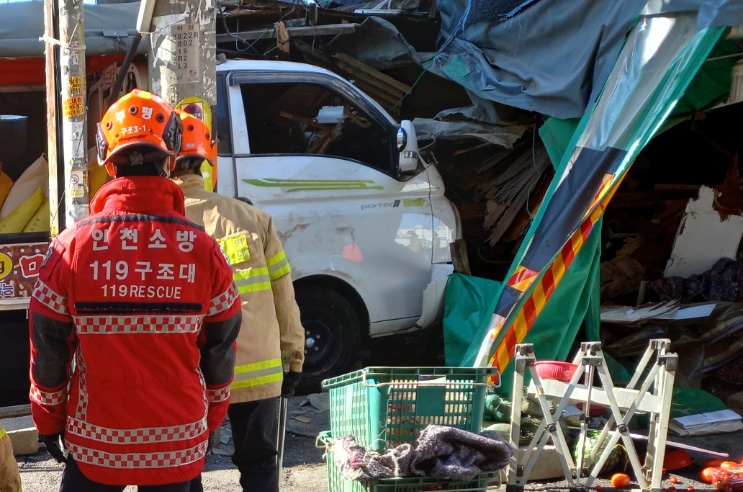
x: 271, y: 66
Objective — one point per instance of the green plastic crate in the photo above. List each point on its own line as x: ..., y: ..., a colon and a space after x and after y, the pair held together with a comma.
x: 383, y: 407
x: 336, y: 482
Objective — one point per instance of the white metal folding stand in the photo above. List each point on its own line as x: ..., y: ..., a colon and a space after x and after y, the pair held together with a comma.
x: 653, y: 396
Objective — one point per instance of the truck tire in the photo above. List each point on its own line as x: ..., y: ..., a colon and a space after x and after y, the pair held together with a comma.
x: 332, y: 332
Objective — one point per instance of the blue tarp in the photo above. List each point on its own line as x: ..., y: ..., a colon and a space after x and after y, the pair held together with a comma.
x: 549, y: 56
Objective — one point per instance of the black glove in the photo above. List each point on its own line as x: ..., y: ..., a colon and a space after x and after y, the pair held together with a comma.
x: 210, y: 442
x: 52, y: 443
x: 291, y: 379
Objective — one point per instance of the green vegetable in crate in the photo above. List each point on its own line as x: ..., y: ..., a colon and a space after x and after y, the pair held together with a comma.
x: 617, y: 457
x: 530, y: 404
x: 497, y: 409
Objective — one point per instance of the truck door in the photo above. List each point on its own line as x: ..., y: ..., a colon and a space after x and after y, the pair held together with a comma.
x: 320, y: 157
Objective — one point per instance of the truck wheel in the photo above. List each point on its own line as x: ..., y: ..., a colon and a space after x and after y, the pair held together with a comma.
x: 332, y: 331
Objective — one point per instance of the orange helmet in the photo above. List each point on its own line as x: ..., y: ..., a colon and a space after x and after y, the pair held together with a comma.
x: 138, y: 119
x: 197, y: 139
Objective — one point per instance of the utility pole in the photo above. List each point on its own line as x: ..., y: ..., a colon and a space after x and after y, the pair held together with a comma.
x: 50, y: 24
x: 182, y: 53
x: 71, y: 111
x: 182, y: 50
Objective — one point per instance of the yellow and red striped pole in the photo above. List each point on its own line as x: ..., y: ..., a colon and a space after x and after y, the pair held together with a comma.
x: 523, y: 278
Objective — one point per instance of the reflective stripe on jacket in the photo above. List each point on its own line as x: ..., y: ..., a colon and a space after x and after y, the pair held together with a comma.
x: 143, y: 301
x: 271, y: 325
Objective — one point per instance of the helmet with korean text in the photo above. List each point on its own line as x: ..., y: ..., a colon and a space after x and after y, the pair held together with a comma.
x: 139, y: 132
x: 197, y: 144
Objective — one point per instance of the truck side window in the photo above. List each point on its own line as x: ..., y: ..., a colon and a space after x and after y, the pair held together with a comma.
x: 305, y: 118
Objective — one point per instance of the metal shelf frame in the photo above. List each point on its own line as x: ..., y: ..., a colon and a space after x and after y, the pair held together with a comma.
x: 649, y: 390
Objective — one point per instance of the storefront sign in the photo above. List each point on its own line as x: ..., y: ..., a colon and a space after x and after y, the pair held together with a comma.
x: 19, y: 267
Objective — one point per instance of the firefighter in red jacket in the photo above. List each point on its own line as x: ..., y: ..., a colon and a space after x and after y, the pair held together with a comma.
x: 271, y: 329
x: 133, y: 321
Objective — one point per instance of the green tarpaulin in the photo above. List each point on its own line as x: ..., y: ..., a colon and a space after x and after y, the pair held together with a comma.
x: 553, y: 334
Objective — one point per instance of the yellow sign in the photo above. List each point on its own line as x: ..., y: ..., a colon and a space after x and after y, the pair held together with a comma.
x: 6, y: 265
x: 76, y: 85
x: 74, y: 106
x: 200, y: 108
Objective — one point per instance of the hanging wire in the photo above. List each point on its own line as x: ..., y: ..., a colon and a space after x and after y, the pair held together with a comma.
x: 249, y: 46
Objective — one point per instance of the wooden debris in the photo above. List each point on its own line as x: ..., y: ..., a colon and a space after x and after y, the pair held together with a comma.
x: 387, y: 91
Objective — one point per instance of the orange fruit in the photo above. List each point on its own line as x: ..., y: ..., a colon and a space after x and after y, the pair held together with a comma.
x: 713, y: 462
x: 620, y: 480
x: 673, y: 479
x: 727, y: 464
x: 706, y: 474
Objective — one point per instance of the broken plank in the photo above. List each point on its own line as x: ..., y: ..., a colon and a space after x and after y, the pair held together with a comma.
x: 373, y: 72
x: 376, y: 94
x: 380, y: 86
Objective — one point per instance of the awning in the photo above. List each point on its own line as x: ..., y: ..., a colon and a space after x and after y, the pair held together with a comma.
x: 108, y: 29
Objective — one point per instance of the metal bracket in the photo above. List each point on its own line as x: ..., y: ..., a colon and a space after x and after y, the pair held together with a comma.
x: 652, y: 396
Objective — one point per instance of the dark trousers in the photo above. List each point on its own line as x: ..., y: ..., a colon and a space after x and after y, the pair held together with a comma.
x: 73, y: 480
x: 255, y: 433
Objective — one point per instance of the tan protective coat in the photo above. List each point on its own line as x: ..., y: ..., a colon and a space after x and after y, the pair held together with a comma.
x: 10, y: 478
x: 271, y: 325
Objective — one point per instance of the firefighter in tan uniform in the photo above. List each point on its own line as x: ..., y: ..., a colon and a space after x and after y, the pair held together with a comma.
x: 271, y: 329
x: 10, y: 478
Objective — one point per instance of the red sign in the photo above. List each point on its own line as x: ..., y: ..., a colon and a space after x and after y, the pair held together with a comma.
x: 19, y: 267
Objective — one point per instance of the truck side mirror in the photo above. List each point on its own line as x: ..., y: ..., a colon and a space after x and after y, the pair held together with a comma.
x: 407, y: 144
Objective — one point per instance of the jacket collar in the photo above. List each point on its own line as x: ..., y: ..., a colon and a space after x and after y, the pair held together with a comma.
x: 139, y: 194
x: 190, y: 183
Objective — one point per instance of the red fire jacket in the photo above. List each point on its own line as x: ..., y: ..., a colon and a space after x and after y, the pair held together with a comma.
x: 133, y: 325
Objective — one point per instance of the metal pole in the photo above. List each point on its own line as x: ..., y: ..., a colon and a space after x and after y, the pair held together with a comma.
x: 73, y: 91
x: 281, y: 442
x: 51, y: 51
x: 183, y: 47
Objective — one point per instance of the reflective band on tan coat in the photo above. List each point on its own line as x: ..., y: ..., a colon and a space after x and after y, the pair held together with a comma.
x: 257, y: 373
x: 278, y: 265
x: 252, y: 280
x: 270, y: 316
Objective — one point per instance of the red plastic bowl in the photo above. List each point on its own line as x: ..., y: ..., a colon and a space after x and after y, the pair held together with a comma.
x: 676, y: 458
x: 555, y: 369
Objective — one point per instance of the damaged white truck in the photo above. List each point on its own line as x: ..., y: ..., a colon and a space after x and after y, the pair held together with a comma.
x: 363, y: 219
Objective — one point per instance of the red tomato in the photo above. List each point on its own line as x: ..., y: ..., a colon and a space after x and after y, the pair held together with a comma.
x: 712, y: 462
x: 620, y: 480
x: 689, y: 489
x: 598, y: 488
x: 727, y: 464
x: 706, y: 474
x: 673, y: 479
